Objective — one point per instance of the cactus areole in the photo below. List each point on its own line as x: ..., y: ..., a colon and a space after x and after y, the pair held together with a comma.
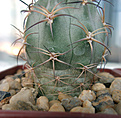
x: 64, y: 35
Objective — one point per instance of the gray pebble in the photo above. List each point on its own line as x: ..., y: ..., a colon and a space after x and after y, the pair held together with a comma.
x: 70, y: 103
x: 106, y: 77
x: 102, y: 102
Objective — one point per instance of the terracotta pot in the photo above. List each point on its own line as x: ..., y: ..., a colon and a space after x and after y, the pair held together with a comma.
x: 38, y: 114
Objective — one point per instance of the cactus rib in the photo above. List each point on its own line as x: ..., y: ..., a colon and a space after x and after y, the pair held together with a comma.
x: 50, y: 16
x: 90, y: 37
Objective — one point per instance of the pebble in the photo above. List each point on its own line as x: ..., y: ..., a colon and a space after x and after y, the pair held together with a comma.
x: 62, y: 96
x: 57, y: 107
x: 34, y: 92
x: 27, y: 82
x: 109, y: 111
x: 102, y: 102
x: 26, y: 106
x: 118, y: 108
x: 18, y: 80
x: 70, y: 103
x: 43, y: 103
x: 12, y: 92
x: 87, y: 95
x: 27, y: 74
x: 87, y: 103
x: 9, y: 107
x: 105, y: 91
x: 83, y: 109
x: 105, y: 77
x: 24, y: 95
x: 116, y: 95
x: 4, y: 87
x: 53, y: 102
x: 8, y: 79
x: 98, y: 86
x: 19, y: 71
x: 118, y: 78
x: 15, y: 85
x: 4, y: 95
x: 115, y: 85
x: 25, y: 98
x: 21, y: 105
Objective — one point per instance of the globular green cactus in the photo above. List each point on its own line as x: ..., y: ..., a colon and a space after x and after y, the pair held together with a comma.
x: 64, y: 40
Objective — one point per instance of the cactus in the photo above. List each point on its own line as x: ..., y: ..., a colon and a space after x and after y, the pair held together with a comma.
x: 64, y: 43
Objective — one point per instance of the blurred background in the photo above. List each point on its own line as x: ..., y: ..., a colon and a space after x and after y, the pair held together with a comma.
x: 10, y: 14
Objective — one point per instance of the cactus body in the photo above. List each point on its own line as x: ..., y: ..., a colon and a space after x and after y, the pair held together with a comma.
x: 64, y: 34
